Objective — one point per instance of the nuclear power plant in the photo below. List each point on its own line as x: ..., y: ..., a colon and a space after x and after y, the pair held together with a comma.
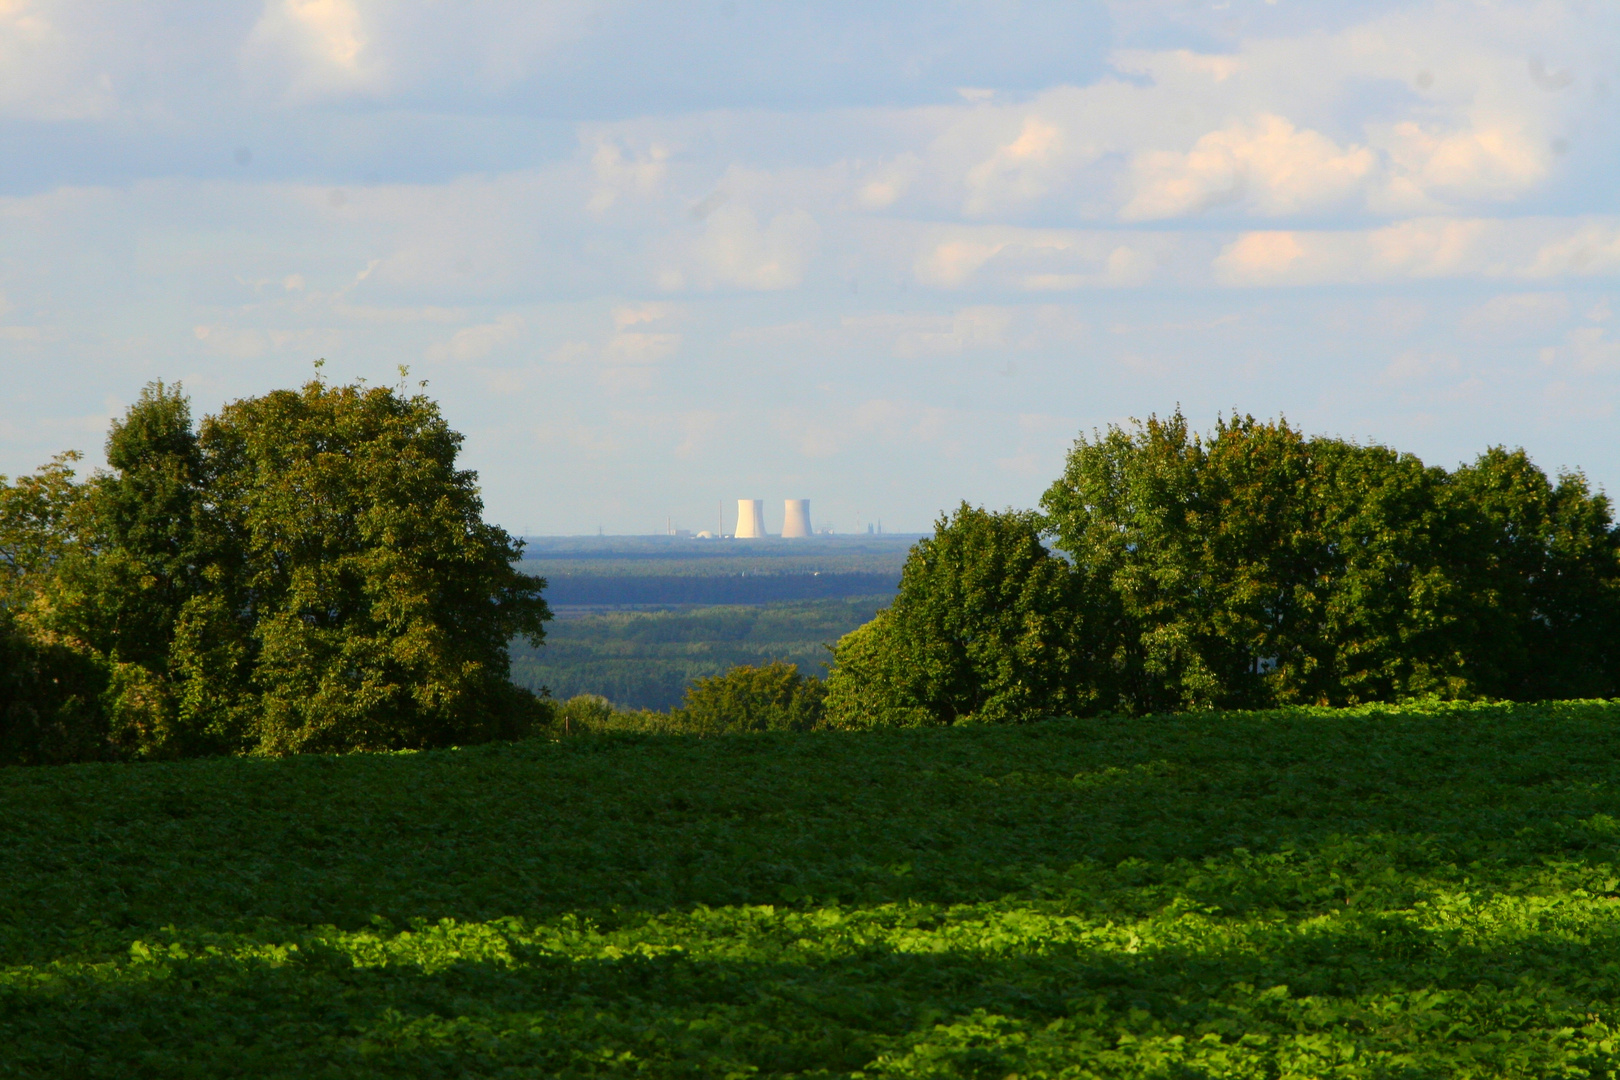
x: 750, y: 519
x: 796, y: 519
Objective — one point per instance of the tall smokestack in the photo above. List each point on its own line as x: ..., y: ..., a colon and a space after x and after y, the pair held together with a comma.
x: 796, y: 522
x: 750, y: 519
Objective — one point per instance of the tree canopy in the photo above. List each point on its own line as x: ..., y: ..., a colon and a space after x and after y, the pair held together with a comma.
x: 1248, y: 568
x: 307, y: 570
x: 987, y: 625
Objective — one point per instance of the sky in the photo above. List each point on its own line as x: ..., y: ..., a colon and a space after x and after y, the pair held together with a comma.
x: 653, y: 258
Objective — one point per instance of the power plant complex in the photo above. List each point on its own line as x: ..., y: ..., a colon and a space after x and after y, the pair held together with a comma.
x: 751, y: 519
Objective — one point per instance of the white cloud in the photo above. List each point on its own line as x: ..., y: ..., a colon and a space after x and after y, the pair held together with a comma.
x: 1037, y: 260
x: 623, y: 171
x: 1414, y: 365
x: 1029, y: 166
x: 1268, y: 165
x: 1593, y: 349
x: 307, y: 50
x: 1429, y: 167
x: 238, y: 343
x: 1424, y: 248
x: 477, y: 342
x: 627, y: 315
x: 735, y: 249
x: 316, y: 48
x: 979, y: 328
x: 48, y: 72
x: 885, y: 185
x: 1514, y: 315
x: 1591, y: 248
x: 635, y: 348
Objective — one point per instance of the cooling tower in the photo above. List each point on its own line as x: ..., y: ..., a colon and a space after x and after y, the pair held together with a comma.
x: 797, y: 520
x: 750, y: 519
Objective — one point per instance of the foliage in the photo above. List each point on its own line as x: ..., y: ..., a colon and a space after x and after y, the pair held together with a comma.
x: 51, y: 688
x: 1258, y: 567
x: 1539, y: 564
x: 646, y: 659
x: 378, y: 603
x: 592, y: 714
x: 987, y: 625
x: 50, y: 698
x: 1420, y: 891
x: 308, y: 571
x: 770, y: 697
x: 35, y: 529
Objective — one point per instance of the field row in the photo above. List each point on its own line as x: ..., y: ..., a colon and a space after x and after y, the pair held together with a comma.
x: 1378, y: 892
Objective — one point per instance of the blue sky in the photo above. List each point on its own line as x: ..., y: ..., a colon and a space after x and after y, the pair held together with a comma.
x: 885, y: 256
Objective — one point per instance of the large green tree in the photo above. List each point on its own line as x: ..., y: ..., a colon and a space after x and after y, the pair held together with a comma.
x: 766, y: 697
x: 1539, y: 563
x: 356, y: 598
x: 51, y: 688
x: 1256, y: 566
x: 308, y: 571
x: 118, y: 590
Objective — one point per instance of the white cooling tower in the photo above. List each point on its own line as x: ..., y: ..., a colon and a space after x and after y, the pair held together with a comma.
x: 796, y: 521
x: 750, y: 519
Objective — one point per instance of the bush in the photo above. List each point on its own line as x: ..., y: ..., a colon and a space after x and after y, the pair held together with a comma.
x: 771, y: 697
x: 593, y: 714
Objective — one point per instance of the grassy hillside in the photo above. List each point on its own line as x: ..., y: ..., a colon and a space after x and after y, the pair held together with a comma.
x: 644, y: 660
x: 1377, y: 893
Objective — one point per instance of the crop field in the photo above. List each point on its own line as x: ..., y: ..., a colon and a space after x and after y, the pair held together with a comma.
x: 1414, y: 892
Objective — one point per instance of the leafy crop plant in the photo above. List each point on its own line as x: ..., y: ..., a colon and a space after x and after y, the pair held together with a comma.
x: 1423, y: 891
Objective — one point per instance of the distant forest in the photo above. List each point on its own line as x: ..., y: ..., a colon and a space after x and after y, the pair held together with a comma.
x: 669, y: 571
x: 645, y: 660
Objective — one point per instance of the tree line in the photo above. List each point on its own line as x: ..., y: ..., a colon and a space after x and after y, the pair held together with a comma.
x: 306, y: 571
x: 309, y: 571
x: 1250, y: 568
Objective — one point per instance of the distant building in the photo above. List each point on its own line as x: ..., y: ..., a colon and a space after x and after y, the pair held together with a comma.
x: 796, y: 519
x: 750, y: 519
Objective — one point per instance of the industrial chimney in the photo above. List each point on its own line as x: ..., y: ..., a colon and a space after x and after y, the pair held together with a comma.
x: 750, y: 519
x: 797, y: 519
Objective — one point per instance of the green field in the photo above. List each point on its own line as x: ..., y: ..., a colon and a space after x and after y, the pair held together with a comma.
x: 1373, y: 893
x: 644, y: 660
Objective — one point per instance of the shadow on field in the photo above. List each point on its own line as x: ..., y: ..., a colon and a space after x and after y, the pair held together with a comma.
x: 615, y: 826
x: 1382, y: 888
x: 715, y: 991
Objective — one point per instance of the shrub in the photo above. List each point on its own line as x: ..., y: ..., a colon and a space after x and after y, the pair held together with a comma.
x: 771, y: 697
